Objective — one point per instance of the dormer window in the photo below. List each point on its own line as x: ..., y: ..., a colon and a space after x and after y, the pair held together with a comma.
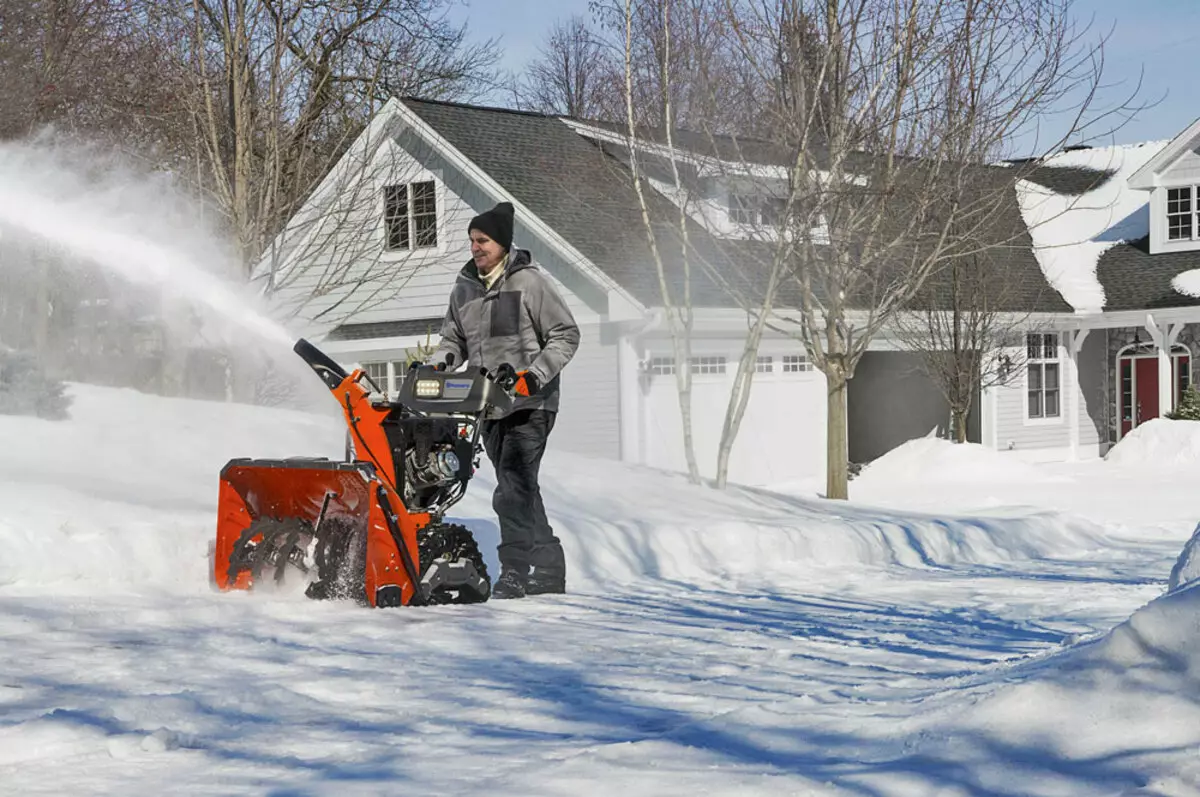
x: 1182, y: 210
x: 756, y: 211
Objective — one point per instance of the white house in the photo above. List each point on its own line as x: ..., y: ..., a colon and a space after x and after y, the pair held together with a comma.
x: 368, y: 263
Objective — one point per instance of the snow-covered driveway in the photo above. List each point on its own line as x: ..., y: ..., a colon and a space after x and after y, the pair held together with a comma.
x: 746, y: 643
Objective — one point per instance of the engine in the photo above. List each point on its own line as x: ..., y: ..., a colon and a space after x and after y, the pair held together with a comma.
x: 440, y: 466
x: 434, y: 460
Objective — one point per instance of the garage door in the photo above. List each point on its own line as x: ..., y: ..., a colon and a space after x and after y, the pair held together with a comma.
x: 782, y: 436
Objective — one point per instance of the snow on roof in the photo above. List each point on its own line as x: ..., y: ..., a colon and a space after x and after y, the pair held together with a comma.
x: 1187, y: 283
x: 1070, y: 233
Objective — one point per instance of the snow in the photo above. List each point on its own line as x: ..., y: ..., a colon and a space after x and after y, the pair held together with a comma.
x: 1070, y: 233
x: 1187, y: 283
x: 947, y: 632
x: 1161, y: 443
x: 934, y: 459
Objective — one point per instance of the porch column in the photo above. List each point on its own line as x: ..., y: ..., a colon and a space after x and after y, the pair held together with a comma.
x: 1163, y: 336
x: 1074, y: 344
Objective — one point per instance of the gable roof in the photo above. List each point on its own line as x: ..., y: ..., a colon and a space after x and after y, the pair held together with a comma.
x: 586, y: 195
x: 1147, y: 177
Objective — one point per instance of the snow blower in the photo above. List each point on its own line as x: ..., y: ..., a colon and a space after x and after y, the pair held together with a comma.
x: 369, y: 528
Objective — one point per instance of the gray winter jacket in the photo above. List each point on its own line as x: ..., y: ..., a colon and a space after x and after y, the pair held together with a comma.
x: 522, y: 320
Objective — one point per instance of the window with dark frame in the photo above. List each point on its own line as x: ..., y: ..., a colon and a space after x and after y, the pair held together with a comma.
x: 410, y: 216
x: 756, y: 210
x: 764, y: 365
x: 1043, y: 375
x: 1181, y: 214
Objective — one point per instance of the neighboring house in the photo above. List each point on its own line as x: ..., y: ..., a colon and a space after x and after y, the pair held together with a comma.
x: 367, y: 266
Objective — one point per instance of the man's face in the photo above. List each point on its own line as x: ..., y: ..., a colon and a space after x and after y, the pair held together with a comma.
x: 486, y: 252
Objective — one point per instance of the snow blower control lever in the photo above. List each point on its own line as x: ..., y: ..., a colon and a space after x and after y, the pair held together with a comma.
x: 369, y: 528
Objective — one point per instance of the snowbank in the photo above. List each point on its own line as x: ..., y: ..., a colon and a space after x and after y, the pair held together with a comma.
x: 122, y: 497
x: 1070, y: 233
x: 1159, y: 444
x: 932, y: 459
x: 1086, y: 708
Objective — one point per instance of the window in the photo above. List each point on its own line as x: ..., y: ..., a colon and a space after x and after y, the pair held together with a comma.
x: 764, y: 365
x: 1181, y: 214
x: 756, y: 210
x: 1043, y: 371
x: 662, y: 366
x: 708, y: 365
x: 378, y: 371
x: 410, y: 216
x: 1183, y: 376
x: 796, y: 363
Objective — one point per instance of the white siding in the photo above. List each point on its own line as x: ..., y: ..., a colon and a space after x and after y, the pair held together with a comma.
x: 589, y: 411
x: 1186, y: 169
x: 1016, y: 432
x: 343, y: 274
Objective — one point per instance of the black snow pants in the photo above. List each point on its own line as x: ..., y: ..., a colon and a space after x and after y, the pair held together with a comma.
x: 515, y: 445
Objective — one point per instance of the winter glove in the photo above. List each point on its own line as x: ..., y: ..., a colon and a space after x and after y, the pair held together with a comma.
x: 527, y: 384
x: 505, y: 376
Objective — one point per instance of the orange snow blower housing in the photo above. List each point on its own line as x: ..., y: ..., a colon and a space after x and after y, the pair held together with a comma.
x: 369, y: 528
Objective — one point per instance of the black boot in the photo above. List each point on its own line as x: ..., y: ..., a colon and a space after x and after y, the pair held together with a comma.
x: 511, y: 584
x: 545, y: 582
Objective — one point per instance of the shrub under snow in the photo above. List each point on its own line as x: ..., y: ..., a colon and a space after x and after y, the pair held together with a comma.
x: 1160, y: 443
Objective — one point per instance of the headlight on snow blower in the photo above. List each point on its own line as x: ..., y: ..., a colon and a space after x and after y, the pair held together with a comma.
x: 428, y: 388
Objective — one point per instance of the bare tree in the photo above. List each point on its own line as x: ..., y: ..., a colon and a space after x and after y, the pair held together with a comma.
x: 369, y: 228
x: 572, y: 74
x: 895, y: 106
x: 284, y: 86
x: 961, y: 324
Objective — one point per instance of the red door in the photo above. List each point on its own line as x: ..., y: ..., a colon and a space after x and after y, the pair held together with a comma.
x: 1146, y: 407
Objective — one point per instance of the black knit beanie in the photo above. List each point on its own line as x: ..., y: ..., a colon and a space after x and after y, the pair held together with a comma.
x: 496, y: 224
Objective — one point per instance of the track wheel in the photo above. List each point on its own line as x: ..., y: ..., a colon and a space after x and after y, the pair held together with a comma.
x: 452, y: 569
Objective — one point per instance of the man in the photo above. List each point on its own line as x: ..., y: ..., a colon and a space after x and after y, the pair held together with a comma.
x: 506, y: 316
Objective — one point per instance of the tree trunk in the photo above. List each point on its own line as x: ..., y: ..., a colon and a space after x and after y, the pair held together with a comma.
x: 960, y: 425
x: 837, y: 449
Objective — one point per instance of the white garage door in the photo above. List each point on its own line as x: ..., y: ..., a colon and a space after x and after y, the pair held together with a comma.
x: 782, y: 436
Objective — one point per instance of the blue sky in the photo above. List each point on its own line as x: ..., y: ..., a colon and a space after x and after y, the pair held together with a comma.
x: 1160, y: 37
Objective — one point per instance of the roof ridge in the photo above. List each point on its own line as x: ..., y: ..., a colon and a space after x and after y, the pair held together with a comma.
x: 475, y: 107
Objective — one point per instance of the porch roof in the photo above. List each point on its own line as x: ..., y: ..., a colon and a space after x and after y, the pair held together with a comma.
x: 1134, y: 279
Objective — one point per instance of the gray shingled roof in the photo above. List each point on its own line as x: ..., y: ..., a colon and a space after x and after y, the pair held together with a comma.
x: 586, y: 195
x: 386, y: 329
x: 1134, y: 279
x: 582, y: 189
